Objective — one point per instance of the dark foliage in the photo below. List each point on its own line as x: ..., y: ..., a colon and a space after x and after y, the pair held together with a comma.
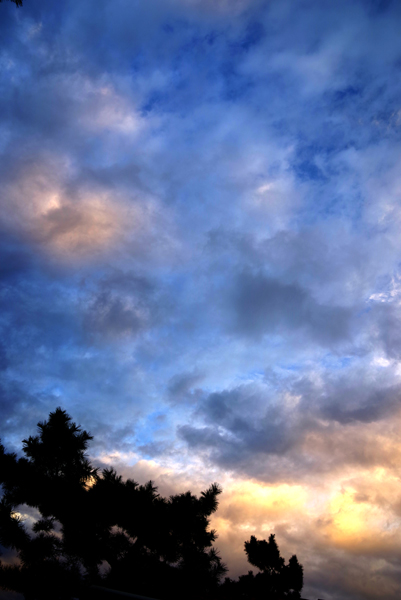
x: 152, y: 545
x: 86, y: 521
x: 276, y: 579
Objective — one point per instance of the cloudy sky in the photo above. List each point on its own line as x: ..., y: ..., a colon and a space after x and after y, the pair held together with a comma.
x: 200, y: 260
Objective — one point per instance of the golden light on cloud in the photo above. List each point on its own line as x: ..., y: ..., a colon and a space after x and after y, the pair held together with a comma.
x: 350, y: 519
x: 74, y: 228
x: 68, y: 221
x: 356, y: 512
x: 79, y: 229
x: 249, y: 507
x: 362, y: 514
x: 267, y: 498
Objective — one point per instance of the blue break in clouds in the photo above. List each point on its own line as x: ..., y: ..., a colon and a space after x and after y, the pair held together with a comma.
x: 252, y: 36
x: 380, y: 6
x: 216, y: 75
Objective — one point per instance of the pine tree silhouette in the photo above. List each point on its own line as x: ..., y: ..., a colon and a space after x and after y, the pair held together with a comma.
x: 155, y: 546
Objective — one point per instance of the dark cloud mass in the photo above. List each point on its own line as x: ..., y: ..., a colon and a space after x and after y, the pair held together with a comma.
x: 264, y: 305
x: 200, y: 260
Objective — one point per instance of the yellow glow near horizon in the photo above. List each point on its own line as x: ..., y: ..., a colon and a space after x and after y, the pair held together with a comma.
x: 284, y: 494
x: 350, y: 518
x: 363, y: 519
x: 352, y: 511
x: 250, y: 506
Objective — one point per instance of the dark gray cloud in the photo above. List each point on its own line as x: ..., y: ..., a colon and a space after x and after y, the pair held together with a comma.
x: 263, y: 305
x: 184, y: 387
x: 243, y: 425
x: 295, y: 426
x: 351, y: 404
x: 388, y: 332
x: 107, y: 315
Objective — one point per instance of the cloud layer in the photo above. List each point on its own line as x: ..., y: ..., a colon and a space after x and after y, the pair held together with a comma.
x: 200, y: 260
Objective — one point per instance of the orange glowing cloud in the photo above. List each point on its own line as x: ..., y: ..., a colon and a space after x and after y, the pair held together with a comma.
x: 66, y: 222
x: 79, y: 230
x: 72, y: 222
x: 354, y: 512
x: 249, y: 504
x: 363, y: 516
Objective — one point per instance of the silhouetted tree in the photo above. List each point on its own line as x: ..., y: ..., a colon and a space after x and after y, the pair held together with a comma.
x: 265, y: 555
x: 169, y: 549
x: 161, y: 547
x: 276, y: 578
x: 152, y: 545
x: 52, y: 477
x: 294, y: 576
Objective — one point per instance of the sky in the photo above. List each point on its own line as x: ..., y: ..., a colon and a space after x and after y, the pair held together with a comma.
x: 200, y: 260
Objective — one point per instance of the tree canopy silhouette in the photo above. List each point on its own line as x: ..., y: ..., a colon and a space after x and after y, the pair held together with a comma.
x: 275, y: 581
x: 95, y: 528
x: 276, y: 578
x: 87, y: 519
x: 264, y: 555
